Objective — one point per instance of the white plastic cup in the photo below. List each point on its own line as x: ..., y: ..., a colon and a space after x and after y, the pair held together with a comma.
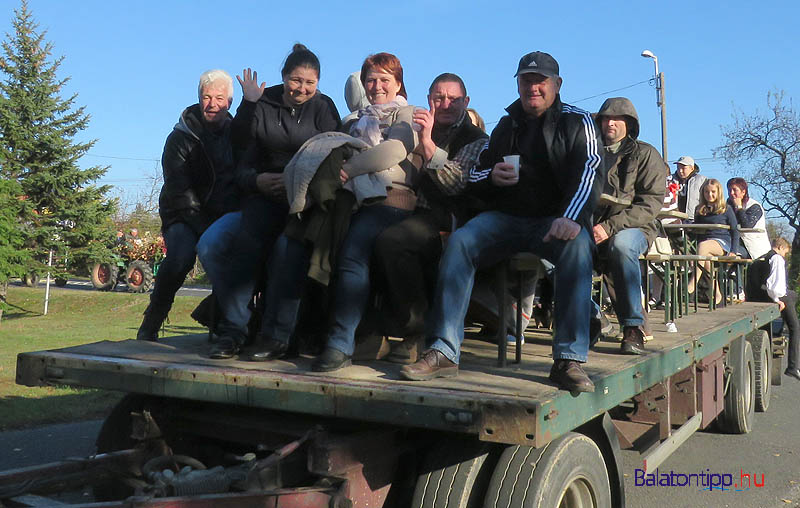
x: 514, y: 161
x: 414, y: 125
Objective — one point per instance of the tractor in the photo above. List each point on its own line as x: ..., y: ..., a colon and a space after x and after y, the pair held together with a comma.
x: 135, y: 262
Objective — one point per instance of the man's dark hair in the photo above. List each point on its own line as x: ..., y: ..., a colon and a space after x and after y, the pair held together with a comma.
x: 451, y: 78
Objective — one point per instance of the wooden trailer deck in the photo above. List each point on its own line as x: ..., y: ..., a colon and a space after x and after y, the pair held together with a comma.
x: 515, y: 404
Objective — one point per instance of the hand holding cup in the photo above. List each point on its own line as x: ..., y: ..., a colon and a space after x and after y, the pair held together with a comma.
x: 506, y: 173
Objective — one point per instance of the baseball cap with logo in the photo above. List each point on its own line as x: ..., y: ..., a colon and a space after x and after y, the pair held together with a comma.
x: 685, y: 160
x: 538, y: 62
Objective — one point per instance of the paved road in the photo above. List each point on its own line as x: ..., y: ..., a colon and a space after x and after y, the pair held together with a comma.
x: 84, y: 285
x: 771, y: 452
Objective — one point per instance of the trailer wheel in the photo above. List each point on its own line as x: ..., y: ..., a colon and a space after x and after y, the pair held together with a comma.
x: 568, y: 472
x: 139, y: 277
x: 737, y: 416
x: 762, y: 366
x: 115, y: 435
x: 454, y: 475
x: 104, y: 276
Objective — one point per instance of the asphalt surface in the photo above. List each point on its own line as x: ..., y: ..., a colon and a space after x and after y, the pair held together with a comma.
x: 85, y: 285
x: 770, y: 455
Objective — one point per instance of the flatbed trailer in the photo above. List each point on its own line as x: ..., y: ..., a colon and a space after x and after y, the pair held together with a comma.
x: 362, y: 436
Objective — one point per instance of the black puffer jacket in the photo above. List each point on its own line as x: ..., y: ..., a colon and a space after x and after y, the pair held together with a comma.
x: 636, y: 173
x: 190, y: 174
x: 267, y: 133
x: 562, y: 179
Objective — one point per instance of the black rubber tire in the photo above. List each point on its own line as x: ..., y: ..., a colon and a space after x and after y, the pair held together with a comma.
x: 104, y: 276
x: 61, y: 282
x: 737, y: 415
x: 567, y: 472
x: 454, y: 475
x: 762, y: 366
x: 30, y: 279
x: 139, y: 277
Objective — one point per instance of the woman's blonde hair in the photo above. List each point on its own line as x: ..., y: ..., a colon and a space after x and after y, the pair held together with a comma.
x: 715, y: 208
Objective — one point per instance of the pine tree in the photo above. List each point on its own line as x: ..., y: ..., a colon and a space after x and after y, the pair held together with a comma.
x: 13, y: 258
x: 62, y: 207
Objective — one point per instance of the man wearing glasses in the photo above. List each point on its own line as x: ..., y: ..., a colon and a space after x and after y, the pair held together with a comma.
x: 408, y: 253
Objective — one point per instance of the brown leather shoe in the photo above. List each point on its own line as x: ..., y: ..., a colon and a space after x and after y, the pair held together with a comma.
x: 569, y: 375
x: 632, y: 341
x: 432, y: 364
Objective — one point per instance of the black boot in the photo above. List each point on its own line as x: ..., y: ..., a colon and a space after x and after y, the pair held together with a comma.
x: 154, y: 316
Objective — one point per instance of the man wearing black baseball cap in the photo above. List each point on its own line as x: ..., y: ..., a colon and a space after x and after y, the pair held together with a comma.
x: 544, y: 205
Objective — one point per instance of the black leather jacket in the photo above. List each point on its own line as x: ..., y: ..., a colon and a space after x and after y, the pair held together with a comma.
x: 563, y: 182
x: 190, y: 174
x: 267, y: 133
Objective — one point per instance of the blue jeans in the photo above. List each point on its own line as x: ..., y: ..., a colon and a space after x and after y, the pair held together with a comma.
x: 180, y: 240
x: 623, y: 251
x: 491, y: 237
x: 233, y: 255
x: 286, y: 281
x: 352, y: 284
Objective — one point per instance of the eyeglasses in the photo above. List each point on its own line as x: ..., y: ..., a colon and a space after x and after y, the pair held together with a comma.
x: 439, y: 99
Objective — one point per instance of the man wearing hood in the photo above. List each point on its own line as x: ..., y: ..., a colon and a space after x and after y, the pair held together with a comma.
x: 636, y: 174
x: 198, y: 166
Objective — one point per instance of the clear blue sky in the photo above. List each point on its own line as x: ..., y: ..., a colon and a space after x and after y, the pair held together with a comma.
x: 135, y: 64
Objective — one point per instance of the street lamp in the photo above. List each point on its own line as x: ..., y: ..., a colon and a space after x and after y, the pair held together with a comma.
x: 660, y: 101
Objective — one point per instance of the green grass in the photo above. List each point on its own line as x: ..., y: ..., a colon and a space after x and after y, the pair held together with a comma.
x: 74, y: 317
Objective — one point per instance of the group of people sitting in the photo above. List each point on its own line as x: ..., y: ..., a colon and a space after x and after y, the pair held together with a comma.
x: 286, y: 190
x: 703, y: 201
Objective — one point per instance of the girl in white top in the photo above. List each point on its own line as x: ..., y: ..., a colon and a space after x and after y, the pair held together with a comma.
x: 750, y: 214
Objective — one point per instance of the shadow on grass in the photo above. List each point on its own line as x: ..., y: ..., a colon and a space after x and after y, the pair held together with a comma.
x: 25, y: 412
x: 16, y: 312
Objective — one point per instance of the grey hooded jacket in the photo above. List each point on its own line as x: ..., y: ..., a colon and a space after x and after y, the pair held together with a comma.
x: 636, y: 173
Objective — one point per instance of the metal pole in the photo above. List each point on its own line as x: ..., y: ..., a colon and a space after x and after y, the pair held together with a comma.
x: 662, y: 102
x: 47, y: 286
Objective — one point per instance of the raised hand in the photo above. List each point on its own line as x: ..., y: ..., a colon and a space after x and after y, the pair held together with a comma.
x: 424, y: 120
x: 251, y: 90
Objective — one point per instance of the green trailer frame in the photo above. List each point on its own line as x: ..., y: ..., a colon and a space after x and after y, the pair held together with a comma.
x: 514, y: 405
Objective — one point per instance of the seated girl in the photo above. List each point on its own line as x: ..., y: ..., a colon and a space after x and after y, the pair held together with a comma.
x: 714, y: 242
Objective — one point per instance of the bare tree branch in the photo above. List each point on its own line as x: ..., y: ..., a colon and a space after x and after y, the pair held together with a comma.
x: 767, y: 148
